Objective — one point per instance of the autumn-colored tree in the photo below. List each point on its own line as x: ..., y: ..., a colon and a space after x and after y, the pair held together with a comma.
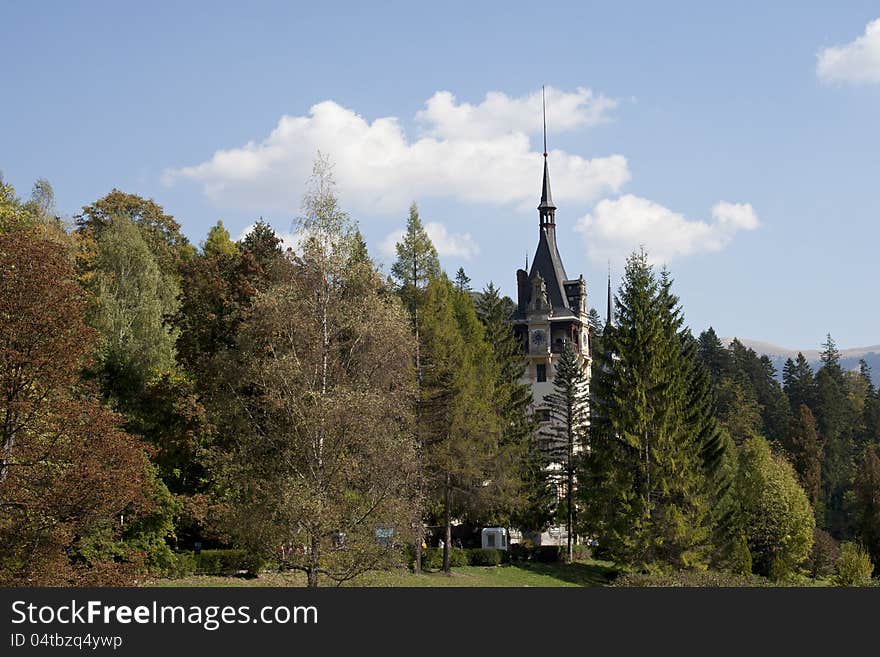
x: 66, y: 469
x: 217, y: 289
x: 159, y: 229
x: 37, y: 214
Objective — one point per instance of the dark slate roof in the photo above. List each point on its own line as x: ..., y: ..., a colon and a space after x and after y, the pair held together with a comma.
x: 549, y: 264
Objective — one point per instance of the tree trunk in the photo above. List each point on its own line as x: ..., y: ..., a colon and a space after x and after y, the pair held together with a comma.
x: 569, y: 486
x: 448, y: 522
x: 8, y: 444
x: 417, y: 566
x: 313, y: 563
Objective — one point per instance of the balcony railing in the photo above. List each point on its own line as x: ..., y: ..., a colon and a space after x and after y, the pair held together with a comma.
x: 559, y: 347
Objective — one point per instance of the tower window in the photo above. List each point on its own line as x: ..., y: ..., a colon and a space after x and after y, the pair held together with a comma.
x: 542, y: 372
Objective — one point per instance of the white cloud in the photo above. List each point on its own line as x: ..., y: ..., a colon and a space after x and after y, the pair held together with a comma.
x: 856, y: 62
x: 460, y: 245
x: 617, y: 227
x: 735, y: 216
x: 486, y: 159
x: 500, y: 114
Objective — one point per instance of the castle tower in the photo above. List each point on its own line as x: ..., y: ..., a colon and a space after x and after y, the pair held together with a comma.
x: 551, y: 308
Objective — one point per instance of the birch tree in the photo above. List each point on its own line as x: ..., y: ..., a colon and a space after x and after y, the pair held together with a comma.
x: 320, y: 397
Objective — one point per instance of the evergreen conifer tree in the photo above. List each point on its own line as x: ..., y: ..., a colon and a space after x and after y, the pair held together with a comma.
x: 805, y: 450
x: 459, y: 433
x: 799, y: 383
x: 526, y: 500
x: 715, y: 357
x: 867, y: 490
x: 836, y: 417
x: 565, y: 437
x: 416, y: 266
x: 218, y: 242
x: 653, y: 445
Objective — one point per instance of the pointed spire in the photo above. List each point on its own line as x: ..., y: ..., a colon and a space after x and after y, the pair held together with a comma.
x: 546, y: 206
x: 546, y: 196
x: 544, y: 110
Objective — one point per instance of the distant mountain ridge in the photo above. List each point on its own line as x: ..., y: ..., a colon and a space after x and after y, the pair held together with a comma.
x: 849, y: 358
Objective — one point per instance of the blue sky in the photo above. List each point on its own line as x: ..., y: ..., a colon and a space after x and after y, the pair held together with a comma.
x: 739, y: 142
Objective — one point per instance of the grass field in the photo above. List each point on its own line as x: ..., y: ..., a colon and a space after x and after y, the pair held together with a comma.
x: 590, y: 573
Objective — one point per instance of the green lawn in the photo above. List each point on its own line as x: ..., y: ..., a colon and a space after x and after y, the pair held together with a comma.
x: 590, y: 573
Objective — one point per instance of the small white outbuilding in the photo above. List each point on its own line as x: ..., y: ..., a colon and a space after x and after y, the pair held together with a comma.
x: 494, y: 537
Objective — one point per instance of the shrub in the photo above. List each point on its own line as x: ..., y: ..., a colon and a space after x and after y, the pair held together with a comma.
x: 253, y: 563
x: 221, y: 562
x: 214, y: 562
x: 432, y: 558
x: 689, y: 578
x: 521, y: 551
x: 547, y: 553
x: 485, y: 557
x: 823, y: 557
x: 184, y: 565
x: 854, y: 566
x: 581, y: 552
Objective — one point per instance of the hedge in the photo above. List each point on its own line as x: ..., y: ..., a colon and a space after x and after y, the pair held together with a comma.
x: 216, y: 562
x: 548, y: 553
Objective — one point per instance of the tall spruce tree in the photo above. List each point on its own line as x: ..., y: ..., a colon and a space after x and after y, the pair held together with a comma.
x: 565, y: 437
x: 871, y: 411
x: 758, y: 375
x: 799, y: 383
x: 651, y: 451
x: 836, y: 417
x: 416, y: 266
x: 805, y: 451
x: 715, y: 357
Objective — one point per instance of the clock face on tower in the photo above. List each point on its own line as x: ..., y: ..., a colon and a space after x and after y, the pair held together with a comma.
x: 538, y: 337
